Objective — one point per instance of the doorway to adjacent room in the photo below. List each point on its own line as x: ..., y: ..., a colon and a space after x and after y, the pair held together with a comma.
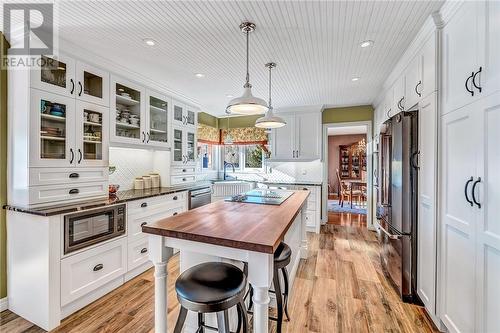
x: 348, y: 173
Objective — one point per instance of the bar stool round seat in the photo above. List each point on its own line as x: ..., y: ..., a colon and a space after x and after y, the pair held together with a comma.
x: 282, y: 255
x: 212, y: 287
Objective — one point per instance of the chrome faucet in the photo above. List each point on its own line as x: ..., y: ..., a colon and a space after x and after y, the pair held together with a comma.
x: 225, y: 166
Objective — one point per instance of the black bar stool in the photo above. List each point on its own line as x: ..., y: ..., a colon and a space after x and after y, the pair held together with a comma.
x: 282, y: 257
x: 212, y: 287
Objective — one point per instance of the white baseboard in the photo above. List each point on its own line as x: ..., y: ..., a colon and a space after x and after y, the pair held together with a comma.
x: 4, y: 304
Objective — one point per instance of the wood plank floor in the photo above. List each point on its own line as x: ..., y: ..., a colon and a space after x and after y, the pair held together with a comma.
x: 339, y: 288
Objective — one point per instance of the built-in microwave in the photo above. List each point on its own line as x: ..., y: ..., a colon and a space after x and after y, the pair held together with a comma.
x: 93, y: 226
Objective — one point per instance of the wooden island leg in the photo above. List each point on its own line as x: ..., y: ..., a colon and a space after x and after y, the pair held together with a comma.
x: 260, y: 274
x: 159, y: 255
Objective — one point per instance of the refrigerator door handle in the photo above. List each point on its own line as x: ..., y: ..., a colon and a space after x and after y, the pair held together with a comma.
x: 391, y: 236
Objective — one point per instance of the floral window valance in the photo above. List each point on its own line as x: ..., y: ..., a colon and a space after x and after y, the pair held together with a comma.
x: 240, y: 136
x: 245, y: 135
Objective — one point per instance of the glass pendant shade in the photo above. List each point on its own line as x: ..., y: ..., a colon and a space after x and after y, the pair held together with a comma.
x: 247, y: 104
x: 270, y: 120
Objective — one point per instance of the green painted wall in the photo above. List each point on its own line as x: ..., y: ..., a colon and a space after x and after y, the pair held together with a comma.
x: 3, y: 170
x: 208, y: 119
x: 348, y: 114
x: 238, y: 122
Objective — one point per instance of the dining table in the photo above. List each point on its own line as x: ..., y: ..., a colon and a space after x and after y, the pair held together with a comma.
x: 356, y: 183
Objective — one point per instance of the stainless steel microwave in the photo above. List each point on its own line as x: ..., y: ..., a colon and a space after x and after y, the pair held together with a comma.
x: 93, y: 226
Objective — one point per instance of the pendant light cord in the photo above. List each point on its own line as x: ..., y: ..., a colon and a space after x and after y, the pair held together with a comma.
x: 247, y: 83
x: 270, y: 69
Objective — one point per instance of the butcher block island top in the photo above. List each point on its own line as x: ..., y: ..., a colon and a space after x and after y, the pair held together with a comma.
x: 246, y: 226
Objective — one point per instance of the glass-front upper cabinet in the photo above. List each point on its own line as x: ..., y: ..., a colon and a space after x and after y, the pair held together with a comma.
x: 190, y: 146
x: 178, y: 156
x: 157, y: 107
x: 55, y: 75
x: 92, y: 84
x: 52, y: 124
x: 92, y: 129
x: 183, y: 115
x: 126, y: 112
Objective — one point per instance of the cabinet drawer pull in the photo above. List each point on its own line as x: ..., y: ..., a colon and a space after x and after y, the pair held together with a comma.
x: 143, y: 224
x: 72, y: 86
x: 98, y: 267
x: 467, y: 84
x: 147, y: 141
x: 81, y: 88
x: 80, y: 155
x: 184, y: 170
x: 175, y: 198
x: 474, y: 79
x: 175, y: 214
x: 72, y: 156
x: 74, y: 191
x: 74, y: 175
x: 184, y: 179
x: 144, y: 250
x: 144, y: 204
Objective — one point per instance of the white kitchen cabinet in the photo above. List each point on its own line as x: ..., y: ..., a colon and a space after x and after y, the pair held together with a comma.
x: 92, y: 134
x: 398, y: 96
x: 184, y: 115
x: 470, y: 236
x: 157, y: 123
x: 427, y: 189
x: 184, y: 146
x: 67, y: 133
x: 428, y: 68
x: 489, y: 47
x: 299, y: 139
x: 389, y: 108
x: 127, y: 116
x: 91, y: 84
x: 308, y: 136
x: 413, y: 81
x: 52, y: 130
x: 66, y: 76
x: 55, y: 75
x: 463, y: 54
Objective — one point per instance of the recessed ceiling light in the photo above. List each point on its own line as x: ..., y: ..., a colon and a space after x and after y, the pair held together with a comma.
x: 354, y: 79
x: 149, y: 41
x: 199, y: 75
x: 367, y: 43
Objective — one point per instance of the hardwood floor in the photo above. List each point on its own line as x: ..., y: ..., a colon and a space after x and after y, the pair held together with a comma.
x: 339, y: 288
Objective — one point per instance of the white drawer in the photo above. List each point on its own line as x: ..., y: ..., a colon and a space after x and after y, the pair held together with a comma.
x: 310, y: 218
x: 52, y: 176
x: 143, y: 206
x: 137, y: 253
x: 185, y: 179
x: 135, y: 222
x: 187, y: 170
x: 66, y: 192
x: 91, y: 269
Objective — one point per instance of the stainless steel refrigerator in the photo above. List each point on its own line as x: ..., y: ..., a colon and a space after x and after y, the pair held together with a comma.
x: 397, y: 207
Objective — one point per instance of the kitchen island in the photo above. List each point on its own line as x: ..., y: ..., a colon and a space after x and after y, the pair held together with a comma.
x: 242, y: 232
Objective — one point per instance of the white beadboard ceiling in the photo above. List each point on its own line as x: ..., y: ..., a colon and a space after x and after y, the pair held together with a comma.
x: 314, y: 43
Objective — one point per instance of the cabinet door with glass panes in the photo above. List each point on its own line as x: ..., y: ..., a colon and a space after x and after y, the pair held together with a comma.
x: 92, y: 134
x: 55, y: 75
x: 184, y: 146
x: 157, y: 109
x: 127, y: 116
x: 92, y: 84
x: 52, y: 124
x: 183, y: 115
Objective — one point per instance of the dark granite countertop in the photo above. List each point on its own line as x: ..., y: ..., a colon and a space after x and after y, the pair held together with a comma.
x: 120, y: 197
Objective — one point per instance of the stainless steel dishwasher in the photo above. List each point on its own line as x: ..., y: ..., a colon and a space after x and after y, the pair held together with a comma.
x: 200, y: 197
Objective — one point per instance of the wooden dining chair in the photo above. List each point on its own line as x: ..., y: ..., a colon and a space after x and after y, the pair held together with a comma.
x: 345, y: 191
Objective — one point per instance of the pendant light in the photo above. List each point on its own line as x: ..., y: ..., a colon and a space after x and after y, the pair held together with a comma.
x: 247, y: 104
x: 270, y: 120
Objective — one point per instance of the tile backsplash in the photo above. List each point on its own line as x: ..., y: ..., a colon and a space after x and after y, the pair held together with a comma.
x: 131, y: 163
